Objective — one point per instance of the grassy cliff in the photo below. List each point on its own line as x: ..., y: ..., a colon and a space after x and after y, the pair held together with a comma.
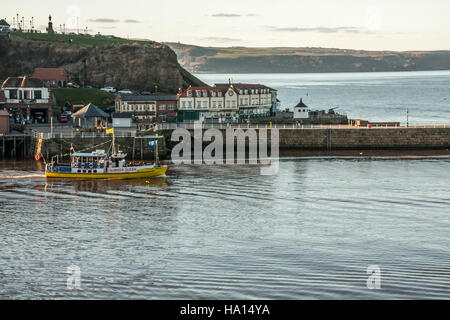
x: 122, y: 63
x: 298, y: 60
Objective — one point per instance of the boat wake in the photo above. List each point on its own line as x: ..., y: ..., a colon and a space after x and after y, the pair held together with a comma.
x: 20, y: 176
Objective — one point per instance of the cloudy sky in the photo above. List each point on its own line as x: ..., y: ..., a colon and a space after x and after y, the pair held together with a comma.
x: 354, y: 24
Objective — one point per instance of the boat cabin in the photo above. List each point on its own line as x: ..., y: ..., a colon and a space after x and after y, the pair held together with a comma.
x: 95, y: 162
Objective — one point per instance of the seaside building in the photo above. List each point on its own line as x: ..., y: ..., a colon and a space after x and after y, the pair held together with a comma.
x: 4, y: 26
x: 52, y: 77
x: 301, y: 111
x: 90, y: 116
x: 26, y: 99
x: 226, y: 102
x: 148, y: 109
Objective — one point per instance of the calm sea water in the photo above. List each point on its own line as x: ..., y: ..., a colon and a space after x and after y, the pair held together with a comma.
x: 380, y: 96
x: 226, y: 232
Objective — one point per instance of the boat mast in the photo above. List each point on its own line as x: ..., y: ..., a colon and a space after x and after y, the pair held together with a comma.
x: 156, y: 153
x: 114, y: 144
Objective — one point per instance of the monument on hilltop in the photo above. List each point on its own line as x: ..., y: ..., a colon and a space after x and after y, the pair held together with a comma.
x: 50, y: 25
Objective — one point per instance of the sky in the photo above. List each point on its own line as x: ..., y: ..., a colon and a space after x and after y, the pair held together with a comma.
x: 399, y: 25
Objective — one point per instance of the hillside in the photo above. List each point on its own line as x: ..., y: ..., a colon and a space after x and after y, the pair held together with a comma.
x: 297, y: 60
x: 131, y: 64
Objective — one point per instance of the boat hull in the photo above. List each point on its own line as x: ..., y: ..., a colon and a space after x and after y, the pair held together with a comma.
x: 138, y: 174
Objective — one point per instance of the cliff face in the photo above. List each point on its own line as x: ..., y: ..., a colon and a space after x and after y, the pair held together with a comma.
x: 136, y: 66
x: 298, y: 60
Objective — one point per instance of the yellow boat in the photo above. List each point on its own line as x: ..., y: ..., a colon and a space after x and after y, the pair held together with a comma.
x: 97, y: 165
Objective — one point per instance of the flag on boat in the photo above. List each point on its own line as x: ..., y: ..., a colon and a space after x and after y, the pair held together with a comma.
x: 153, y: 143
x: 110, y: 131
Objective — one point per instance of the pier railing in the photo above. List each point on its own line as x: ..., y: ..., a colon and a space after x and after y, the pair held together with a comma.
x: 70, y: 135
x: 191, y: 126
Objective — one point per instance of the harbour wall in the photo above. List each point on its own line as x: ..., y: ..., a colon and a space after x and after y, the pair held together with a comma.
x: 138, y: 149
x: 351, y: 138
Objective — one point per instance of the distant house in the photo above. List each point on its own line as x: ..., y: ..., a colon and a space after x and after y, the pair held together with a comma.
x: 52, y: 77
x: 226, y: 102
x: 148, y: 109
x: 4, y: 26
x: 301, y: 111
x: 27, y: 99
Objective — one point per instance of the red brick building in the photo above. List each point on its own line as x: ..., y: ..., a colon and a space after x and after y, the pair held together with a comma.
x: 148, y: 109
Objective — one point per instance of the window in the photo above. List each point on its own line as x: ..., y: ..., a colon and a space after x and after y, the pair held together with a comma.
x: 189, y: 93
x: 190, y: 104
x: 183, y: 104
x: 13, y: 94
x: 171, y: 107
x: 162, y: 107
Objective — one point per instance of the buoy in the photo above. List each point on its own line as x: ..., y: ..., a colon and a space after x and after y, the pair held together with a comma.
x: 37, y: 157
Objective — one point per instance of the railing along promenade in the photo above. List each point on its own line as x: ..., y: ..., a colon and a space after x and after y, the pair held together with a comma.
x: 191, y: 126
x: 83, y: 135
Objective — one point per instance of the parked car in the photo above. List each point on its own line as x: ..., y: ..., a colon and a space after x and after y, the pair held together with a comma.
x: 126, y: 91
x: 109, y: 89
x: 73, y: 85
x: 146, y: 93
x: 63, y: 119
x: 88, y: 86
x: 67, y: 113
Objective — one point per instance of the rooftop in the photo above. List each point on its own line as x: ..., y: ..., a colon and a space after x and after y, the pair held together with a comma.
x: 92, y: 155
x: 168, y: 97
x: 90, y: 111
x: 122, y: 115
x: 23, y: 82
x: 224, y: 87
x: 57, y: 74
x: 301, y: 104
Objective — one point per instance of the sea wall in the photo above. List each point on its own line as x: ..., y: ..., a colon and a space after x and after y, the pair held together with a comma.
x: 353, y: 138
x: 137, y: 148
x: 365, y: 138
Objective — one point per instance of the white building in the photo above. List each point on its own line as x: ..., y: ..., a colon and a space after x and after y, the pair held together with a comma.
x: 4, y: 26
x: 225, y: 103
x: 122, y: 120
x: 27, y: 99
x: 301, y: 111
